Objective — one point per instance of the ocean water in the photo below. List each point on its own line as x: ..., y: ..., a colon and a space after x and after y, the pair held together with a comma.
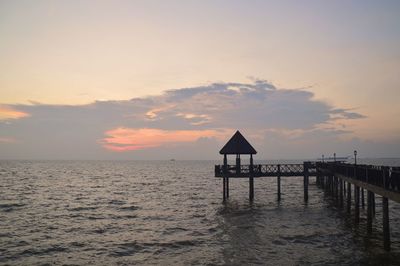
x: 171, y: 213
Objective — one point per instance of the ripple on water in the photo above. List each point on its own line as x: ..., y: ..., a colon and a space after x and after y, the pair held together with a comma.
x: 126, y: 249
x: 129, y: 208
x: 11, y: 206
x: 44, y: 251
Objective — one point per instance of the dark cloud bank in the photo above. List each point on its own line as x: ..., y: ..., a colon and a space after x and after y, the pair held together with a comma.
x: 282, y: 122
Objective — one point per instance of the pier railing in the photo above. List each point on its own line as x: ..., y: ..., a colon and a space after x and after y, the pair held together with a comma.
x: 259, y: 170
x: 381, y: 176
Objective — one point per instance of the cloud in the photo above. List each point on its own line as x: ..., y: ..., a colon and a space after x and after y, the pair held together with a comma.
x: 128, y: 139
x: 7, y: 113
x: 178, y: 117
x: 345, y: 114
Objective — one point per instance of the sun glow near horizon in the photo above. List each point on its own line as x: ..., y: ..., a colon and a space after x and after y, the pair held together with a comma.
x: 128, y: 139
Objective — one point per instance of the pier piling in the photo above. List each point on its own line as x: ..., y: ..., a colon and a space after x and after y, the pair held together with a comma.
x: 278, y: 182
x: 341, y: 192
x: 386, y: 232
x: 362, y: 198
x: 369, y: 211
x: 357, y: 204
x: 224, y: 189
x: 348, y: 197
x: 227, y: 187
x: 305, y: 181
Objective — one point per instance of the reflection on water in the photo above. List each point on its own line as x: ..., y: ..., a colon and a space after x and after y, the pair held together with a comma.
x: 79, y: 212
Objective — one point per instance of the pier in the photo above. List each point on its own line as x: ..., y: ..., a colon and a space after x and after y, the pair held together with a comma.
x: 337, y: 177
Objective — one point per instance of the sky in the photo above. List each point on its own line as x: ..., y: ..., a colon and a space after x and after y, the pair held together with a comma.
x: 176, y: 79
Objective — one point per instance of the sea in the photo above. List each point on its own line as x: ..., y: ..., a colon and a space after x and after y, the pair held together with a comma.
x: 171, y: 213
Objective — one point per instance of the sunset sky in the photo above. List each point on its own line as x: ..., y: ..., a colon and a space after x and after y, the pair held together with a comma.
x: 175, y: 79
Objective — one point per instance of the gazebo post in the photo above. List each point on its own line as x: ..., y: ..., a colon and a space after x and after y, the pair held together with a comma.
x: 225, y: 171
x: 237, y: 164
x: 227, y: 177
x: 251, y: 180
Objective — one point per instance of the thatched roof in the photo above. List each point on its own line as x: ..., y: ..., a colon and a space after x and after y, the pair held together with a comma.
x: 237, y: 145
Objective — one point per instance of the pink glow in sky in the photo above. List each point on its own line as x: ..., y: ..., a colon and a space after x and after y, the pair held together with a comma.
x: 10, y: 113
x: 128, y: 139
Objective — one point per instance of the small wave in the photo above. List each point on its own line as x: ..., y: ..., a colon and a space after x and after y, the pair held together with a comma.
x: 76, y: 244
x: 127, y: 249
x: 83, y: 208
x: 5, y: 235
x: 278, y: 243
x: 96, y: 218
x: 121, y: 217
x: 8, y: 207
x: 45, y: 251
x: 173, y: 230
x: 116, y: 202
x: 179, y: 244
x: 129, y: 208
x: 100, y: 230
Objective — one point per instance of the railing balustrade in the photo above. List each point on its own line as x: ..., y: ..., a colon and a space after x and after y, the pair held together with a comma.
x: 381, y: 176
x: 263, y: 170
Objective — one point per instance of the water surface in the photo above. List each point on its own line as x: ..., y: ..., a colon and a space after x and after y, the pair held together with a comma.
x: 170, y: 213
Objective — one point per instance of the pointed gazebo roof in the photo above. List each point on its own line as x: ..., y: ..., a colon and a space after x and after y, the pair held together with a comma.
x: 237, y: 145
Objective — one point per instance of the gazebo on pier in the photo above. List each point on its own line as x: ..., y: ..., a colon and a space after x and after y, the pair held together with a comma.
x: 237, y: 145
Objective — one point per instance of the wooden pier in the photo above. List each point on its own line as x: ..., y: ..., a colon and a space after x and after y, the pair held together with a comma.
x: 336, y: 177
x: 226, y: 171
x: 380, y: 180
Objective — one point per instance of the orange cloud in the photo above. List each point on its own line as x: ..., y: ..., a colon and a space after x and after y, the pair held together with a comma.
x: 128, y: 139
x: 7, y: 113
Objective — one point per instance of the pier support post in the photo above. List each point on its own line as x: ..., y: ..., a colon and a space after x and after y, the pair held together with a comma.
x: 386, y: 232
x: 227, y: 187
x: 373, y: 204
x: 305, y: 181
x: 251, y: 188
x: 278, y: 181
x: 341, y: 193
x: 224, y: 188
x: 334, y: 186
x: 225, y: 174
x: 362, y: 198
x: 385, y: 216
x: 348, y: 197
x: 369, y: 211
x: 337, y: 188
x: 357, y: 204
x: 344, y: 188
x: 251, y: 180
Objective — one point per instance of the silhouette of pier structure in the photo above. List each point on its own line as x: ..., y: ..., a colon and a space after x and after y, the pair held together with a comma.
x: 336, y: 177
x: 238, y: 145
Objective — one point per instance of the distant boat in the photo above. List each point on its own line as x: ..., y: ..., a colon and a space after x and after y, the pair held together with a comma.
x: 172, y: 160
